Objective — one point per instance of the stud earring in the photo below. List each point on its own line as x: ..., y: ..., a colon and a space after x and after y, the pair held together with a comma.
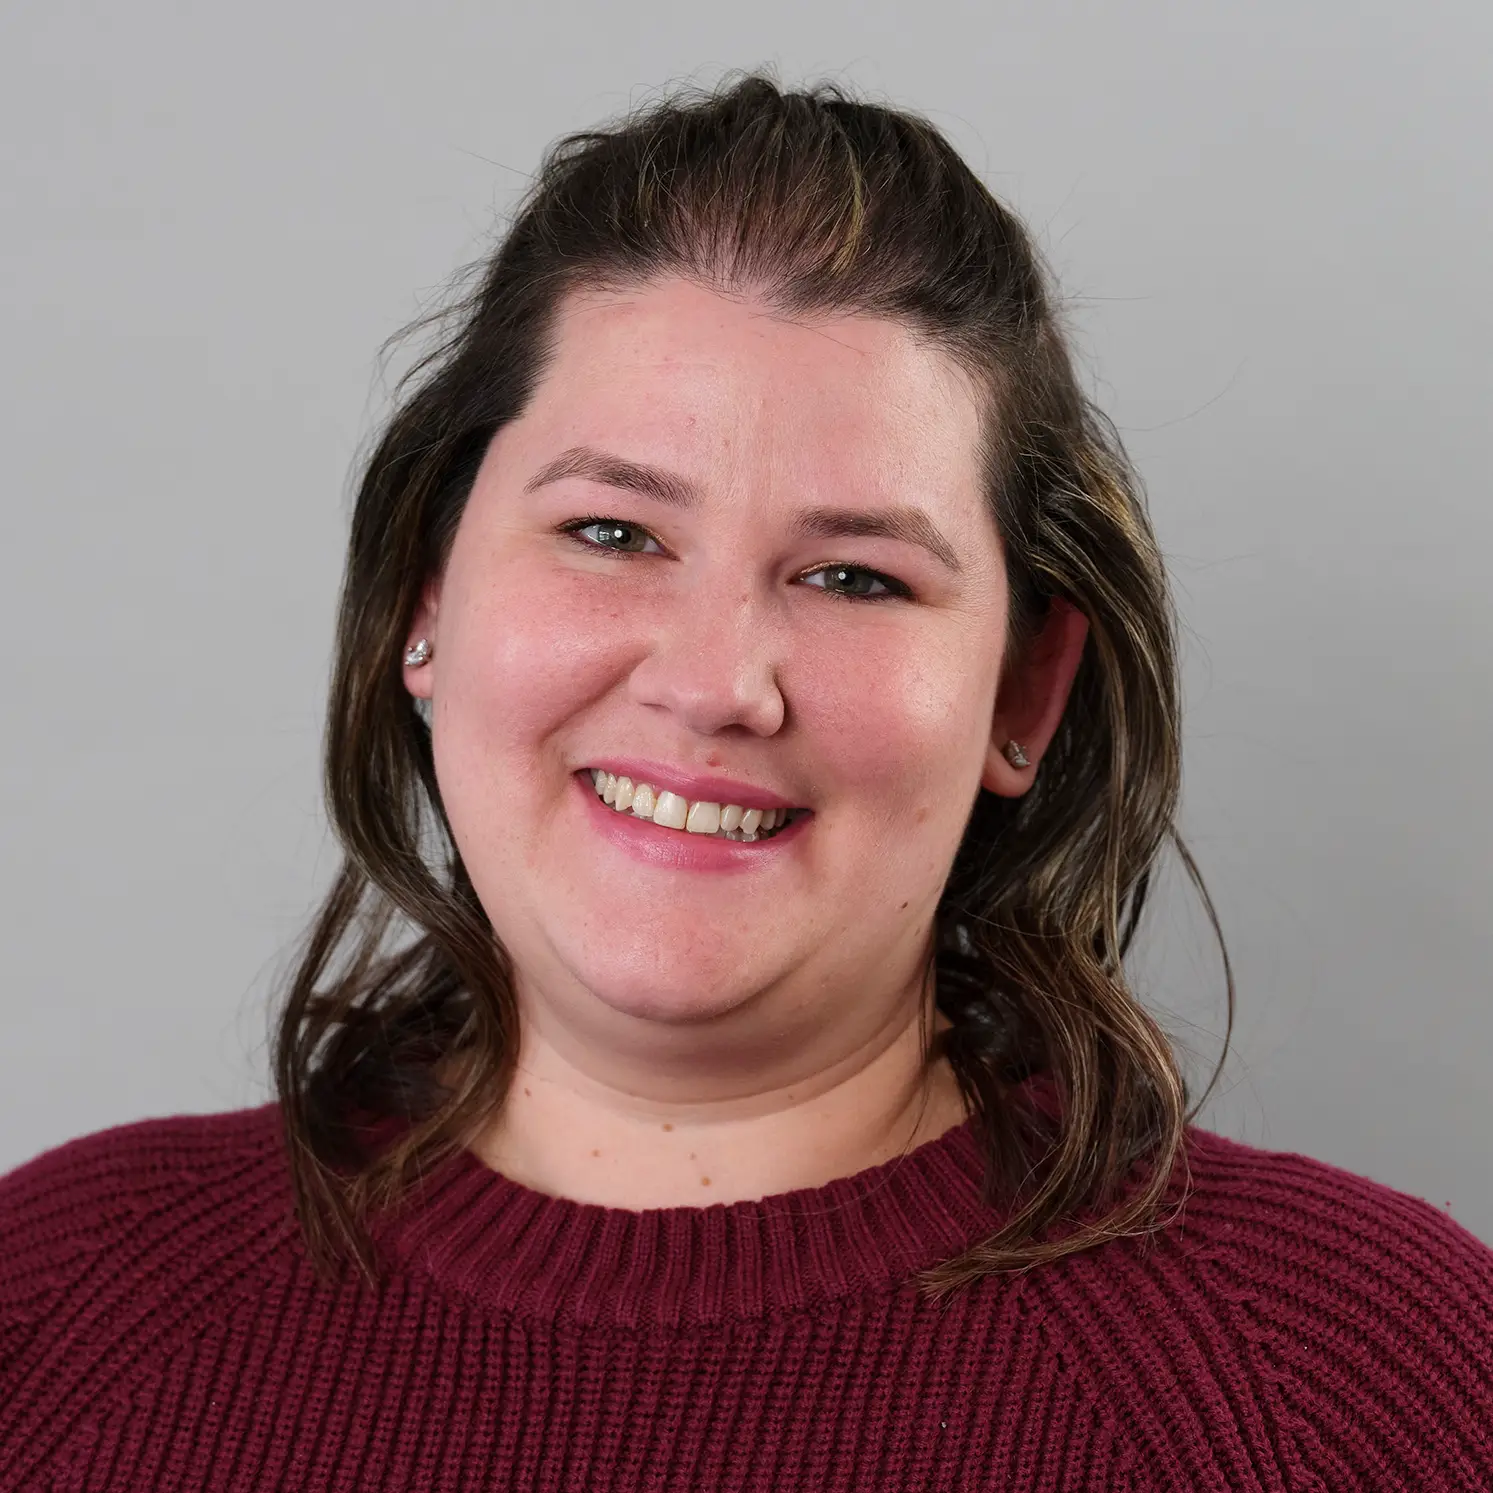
x: 1014, y: 755
x: 417, y: 655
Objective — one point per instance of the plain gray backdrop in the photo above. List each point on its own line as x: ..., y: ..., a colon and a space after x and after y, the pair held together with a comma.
x: 1272, y: 222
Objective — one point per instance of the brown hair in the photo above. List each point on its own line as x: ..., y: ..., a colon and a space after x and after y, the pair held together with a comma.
x: 821, y: 204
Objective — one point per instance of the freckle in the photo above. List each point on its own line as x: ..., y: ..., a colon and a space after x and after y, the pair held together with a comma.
x: 596, y: 1153
x: 921, y: 815
x: 704, y: 1181
x: 667, y: 1126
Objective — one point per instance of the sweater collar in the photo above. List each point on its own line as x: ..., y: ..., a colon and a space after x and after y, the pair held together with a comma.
x: 510, y: 1249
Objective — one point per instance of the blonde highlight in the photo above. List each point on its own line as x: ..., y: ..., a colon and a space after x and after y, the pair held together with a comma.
x: 401, y: 1004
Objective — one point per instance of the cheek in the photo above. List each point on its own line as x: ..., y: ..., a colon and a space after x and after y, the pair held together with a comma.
x: 522, y: 653
x: 902, y: 715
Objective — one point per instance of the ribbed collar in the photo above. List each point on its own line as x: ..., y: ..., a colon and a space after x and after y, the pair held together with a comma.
x: 510, y: 1249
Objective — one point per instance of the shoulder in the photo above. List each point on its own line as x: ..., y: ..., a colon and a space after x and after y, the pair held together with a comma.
x: 115, y: 1173
x: 1320, y: 1238
x: 1288, y: 1312
x: 1365, y: 1313
x: 136, y: 1209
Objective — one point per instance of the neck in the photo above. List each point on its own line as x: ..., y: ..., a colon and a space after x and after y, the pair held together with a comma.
x: 564, y: 1132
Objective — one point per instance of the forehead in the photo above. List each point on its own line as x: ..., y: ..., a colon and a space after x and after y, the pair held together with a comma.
x: 680, y: 373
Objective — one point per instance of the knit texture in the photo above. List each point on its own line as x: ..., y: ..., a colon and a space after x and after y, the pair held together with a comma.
x: 1294, y: 1327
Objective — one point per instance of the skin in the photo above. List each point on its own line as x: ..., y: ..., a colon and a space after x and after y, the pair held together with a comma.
x: 692, y: 1038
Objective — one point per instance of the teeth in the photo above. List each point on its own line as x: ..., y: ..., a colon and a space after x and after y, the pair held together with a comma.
x: 724, y: 821
x: 703, y: 819
x: 670, y: 810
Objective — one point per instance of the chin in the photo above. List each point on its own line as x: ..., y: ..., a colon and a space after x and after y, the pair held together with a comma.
x: 672, y: 990
x: 662, y: 995
x: 666, y: 1008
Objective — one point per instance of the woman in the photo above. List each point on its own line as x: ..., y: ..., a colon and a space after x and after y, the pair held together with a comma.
x: 753, y: 729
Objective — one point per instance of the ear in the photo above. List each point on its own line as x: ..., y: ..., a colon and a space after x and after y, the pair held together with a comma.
x: 1031, y: 696
x: 419, y: 679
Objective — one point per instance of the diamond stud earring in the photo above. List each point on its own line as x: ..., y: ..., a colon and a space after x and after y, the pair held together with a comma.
x: 1014, y: 755
x: 417, y: 655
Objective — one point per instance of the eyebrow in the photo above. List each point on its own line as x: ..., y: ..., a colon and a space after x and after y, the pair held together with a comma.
x: 908, y: 524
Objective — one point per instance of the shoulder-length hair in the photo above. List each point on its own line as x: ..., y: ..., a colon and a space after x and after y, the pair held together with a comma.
x: 820, y: 203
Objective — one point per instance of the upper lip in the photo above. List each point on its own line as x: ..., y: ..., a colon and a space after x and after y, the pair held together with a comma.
x: 695, y: 786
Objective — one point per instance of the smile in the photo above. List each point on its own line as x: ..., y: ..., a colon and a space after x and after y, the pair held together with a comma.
x: 670, y: 811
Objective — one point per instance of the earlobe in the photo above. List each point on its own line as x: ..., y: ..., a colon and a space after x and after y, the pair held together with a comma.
x: 1009, y: 770
x: 420, y: 646
x: 1031, y: 698
x: 417, y: 678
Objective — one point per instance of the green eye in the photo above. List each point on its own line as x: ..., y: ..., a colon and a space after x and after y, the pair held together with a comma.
x: 852, y: 581
x: 613, y: 535
x: 848, y: 582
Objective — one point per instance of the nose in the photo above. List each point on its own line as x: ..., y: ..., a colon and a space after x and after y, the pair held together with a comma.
x: 712, y: 662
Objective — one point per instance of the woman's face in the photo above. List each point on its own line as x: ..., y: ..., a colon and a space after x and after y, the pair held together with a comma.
x: 715, y: 627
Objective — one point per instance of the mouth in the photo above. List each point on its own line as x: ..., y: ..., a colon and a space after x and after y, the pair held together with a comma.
x: 699, y: 819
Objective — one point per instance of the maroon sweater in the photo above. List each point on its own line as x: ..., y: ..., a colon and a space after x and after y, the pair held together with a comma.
x: 1296, y: 1327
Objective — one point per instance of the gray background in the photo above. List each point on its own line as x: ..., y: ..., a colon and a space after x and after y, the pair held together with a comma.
x: 1272, y: 220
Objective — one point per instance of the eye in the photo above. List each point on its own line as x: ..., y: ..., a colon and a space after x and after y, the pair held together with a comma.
x: 848, y: 582
x: 854, y: 579
x: 611, y: 534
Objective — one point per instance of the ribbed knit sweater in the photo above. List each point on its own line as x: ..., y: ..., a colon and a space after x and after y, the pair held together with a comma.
x: 1294, y: 1327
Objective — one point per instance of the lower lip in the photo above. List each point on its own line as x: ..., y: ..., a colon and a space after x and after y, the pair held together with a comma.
x: 677, y: 849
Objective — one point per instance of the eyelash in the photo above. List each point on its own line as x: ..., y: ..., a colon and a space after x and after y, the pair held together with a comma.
x: 896, y: 590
